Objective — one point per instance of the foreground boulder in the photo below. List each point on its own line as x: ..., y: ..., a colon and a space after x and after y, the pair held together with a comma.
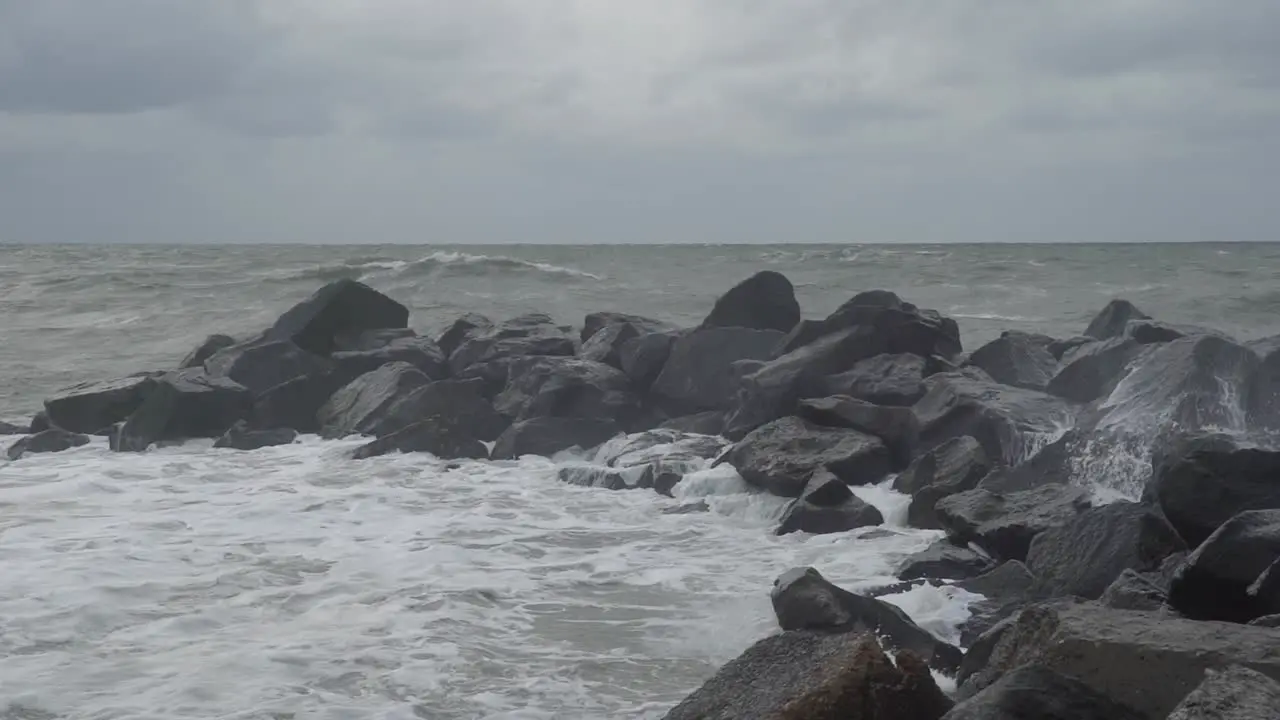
x: 461, y: 401
x: 359, y: 406
x: 243, y: 437
x: 1134, y: 591
x: 812, y: 676
x: 1214, y: 584
x: 1004, y: 524
x: 295, y: 404
x: 469, y: 326
x: 698, y: 374
x: 955, y: 466
x: 896, y: 380
x: 896, y: 426
x: 1017, y: 359
x: 1005, y: 589
x: 47, y: 441
x: 547, y: 436
x: 902, y: 327
x: 567, y: 387
x: 440, y: 436
x: 944, y: 561
x: 1233, y: 693
x: 1092, y: 370
x: 1112, y: 320
x: 803, y: 515
x: 1203, y: 481
x: 764, y: 301
x: 185, y: 404
x: 263, y: 365
x: 782, y: 456
x: 341, y: 309
x: 1032, y: 692
x: 1149, y: 662
x: 804, y: 600
x: 92, y: 406
x: 8, y: 428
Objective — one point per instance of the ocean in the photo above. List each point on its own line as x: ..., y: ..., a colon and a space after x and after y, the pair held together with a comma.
x: 292, y: 582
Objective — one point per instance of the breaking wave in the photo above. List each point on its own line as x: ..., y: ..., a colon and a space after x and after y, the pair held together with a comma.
x: 436, y: 263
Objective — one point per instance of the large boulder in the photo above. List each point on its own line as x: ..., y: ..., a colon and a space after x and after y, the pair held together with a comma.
x: 781, y: 457
x: 896, y: 426
x: 1214, y: 584
x: 1112, y: 320
x: 593, y: 323
x: 47, y: 441
x: 1203, y: 481
x: 533, y: 334
x: 884, y: 379
x: 8, y: 428
x: 262, y: 365
x: 902, y: 327
x: 359, y: 406
x: 814, y: 676
x: 92, y: 406
x: 185, y: 404
x: 1264, y: 395
x: 1134, y: 591
x: 205, y: 350
x: 1004, y: 524
x: 419, y: 352
x: 1005, y: 589
x: 469, y: 326
x: 1053, y: 464
x: 1083, y: 556
x: 1092, y: 370
x: 605, y: 346
x: 1032, y: 692
x: 764, y: 301
x: 547, y: 436
x: 1016, y: 359
x: 814, y: 512
x: 955, y: 466
x: 643, y: 357
x: 1147, y: 661
x: 1233, y: 693
x: 944, y: 560
x: 1009, y: 422
x: 440, y: 436
x: 242, y: 436
x: 340, y: 309
x: 805, y: 600
x: 698, y: 372
x: 296, y: 403
x: 460, y: 401
x: 568, y: 387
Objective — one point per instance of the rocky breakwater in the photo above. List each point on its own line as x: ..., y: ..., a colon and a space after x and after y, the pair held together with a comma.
x: 1112, y: 497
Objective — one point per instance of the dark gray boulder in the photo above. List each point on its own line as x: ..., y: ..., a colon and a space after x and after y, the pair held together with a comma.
x: 944, y: 561
x: 8, y: 428
x: 1112, y: 320
x: 47, y: 441
x: 185, y: 404
x: 1133, y: 590
x: 703, y: 423
x: 884, y: 379
x: 533, y: 334
x: 462, y: 402
x: 492, y: 376
x: 243, y: 437
x: 1083, y: 556
x: 1233, y: 693
x: 360, y: 405
x: 953, y: 467
x: 1265, y: 591
x: 805, y: 332
x: 205, y: 350
x: 1053, y: 464
x: 902, y: 327
x: 1203, y: 481
x: 419, y: 352
x: 469, y: 326
x: 593, y: 323
x: 1016, y: 359
x: 340, y: 309
x: 1267, y: 621
x: 1092, y: 370
x: 781, y: 456
x: 262, y: 365
x: 764, y: 301
x: 605, y: 346
x: 440, y: 436
x: 805, y: 600
x: 807, y: 517
x: 1004, y: 524
x: 642, y: 358
x: 374, y: 339
x: 547, y: 436
x: 1005, y: 589
x: 697, y: 375
x: 568, y: 387
x: 40, y: 422
x: 1264, y: 392
x: 1032, y: 692
x: 1060, y: 348
x: 1214, y: 584
x: 296, y: 403
x: 91, y: 406
x: 896, y: 426
x: 1009, y: 422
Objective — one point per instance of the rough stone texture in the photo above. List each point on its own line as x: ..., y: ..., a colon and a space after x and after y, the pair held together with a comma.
x: 1009, y: 422
x: 1233, y: 693
x: 261, y: 366
x: 710, y: 422
x: 47, y: 441
x: 1147, y: 661
x: 1264, y: 392
x: 185, y: 404
x: 1111, y: 321
x: 1202, y: 482
x: 205, y: 350
x: 1032, y: 692
x: 359, y: 406
x: 1060, y: 348
x: 1005, y: 589
x: 896, y: 380
x: 1086, y: 554
x: 896, y: 426
x: 340, y: 309
x: 375, y: 339
x: 295, y: 404
x: 419, y: 352
x: 1134, y: 591
x: 1052, y: 464
x: 532, y: 334
x: 697, y: 375
x: 781, y: 456
x: 642, y: 358
x: 1214, y: 584
x: 547, y: 436
x: 593, y: 323
x: 89, y: 407
x: 903, y: 327
x: 953, y: 467
x: 805, y: 332
x: 1016, y: 359
x: 467, y: 327
x: 461, y: 401
x: 442, y: 437
x: 944, y: 561
x: 1092, y: 370
x: 605, y: 346
x: 1005, y: 524
x: 568, y: 387
x: 812, y: 676
x: 243, y: 437
x: 804, y: 516
x: 764, y: 301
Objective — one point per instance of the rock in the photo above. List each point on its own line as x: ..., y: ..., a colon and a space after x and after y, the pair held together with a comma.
x: 568, y: 387
x: 185, y: 404
x: 534, y: 334
x: 804, y: 332
x: 1004, y: 524
x: 804, y: 600
x: 980, y: 648
x: 811, y: 676
x: 1265, y: 591
x: 1053, y: 464
x: 242, y: 437
x: 896, y: 426
x: 440, y: 436
x: 632, y: 478
x: 1016, y: 359
x: 205, y: 350
x: 1005, y: 589
x: 8, y: 428
x: 1113, y: 319
x: 1203, y: 481
x: 462, y: 402
x: 467, y: 327
x: 1214, y: 584
x: 1264, y: 394
x: 1133, y: 591
x: 606, y: 345
x: 1059, y: 348
x: 1009, y: 422
x: 663, y: 448
x: 901, y: 326
x: 1147, y: 661
x: 1092, y: 370
x: 764, y: 301
x: 1267, y: 621
x: 804, y: 516
x: 953, y: 467
x: 1233, y: 693
x: 375, y: 339
x: 597, y: 321
x: 1032, y: 692
x: 642, y: 358
x: 340, y: 309
x: 261, y: 366
x: 781, y: 456
x: 885, y: 379
x: 547, y: 436
x: 47, y: 441
x: 944, y: 561
x: 295, y: 404
x: 704, y: 423
x: 89, y: 407
x: 1083, y: 556
x: 419, y: 352
x: 697, y: 377
x: 360, y: 405
x: 492, y: 376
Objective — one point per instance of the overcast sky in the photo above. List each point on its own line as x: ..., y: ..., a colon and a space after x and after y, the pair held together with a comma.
x: 467, y: 121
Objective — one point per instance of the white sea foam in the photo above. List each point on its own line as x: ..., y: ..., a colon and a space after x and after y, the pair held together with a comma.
x: 189, y: 582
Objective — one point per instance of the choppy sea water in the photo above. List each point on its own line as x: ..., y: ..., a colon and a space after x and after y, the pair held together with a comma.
x: 291, y: 582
